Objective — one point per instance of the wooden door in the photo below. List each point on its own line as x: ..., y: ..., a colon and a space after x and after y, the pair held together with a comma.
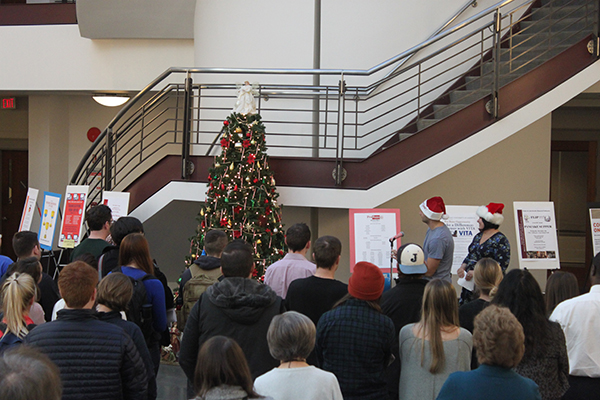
x: 572, y: 187
x: 14, y: 170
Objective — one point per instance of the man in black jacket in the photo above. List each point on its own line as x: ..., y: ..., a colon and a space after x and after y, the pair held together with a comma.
x: 403, y: 303
x: 96, y: 360
x: 237, y: 307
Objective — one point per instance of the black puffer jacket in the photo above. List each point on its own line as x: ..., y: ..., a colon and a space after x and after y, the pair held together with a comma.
x: 238, y: 308
x: 96, y: 360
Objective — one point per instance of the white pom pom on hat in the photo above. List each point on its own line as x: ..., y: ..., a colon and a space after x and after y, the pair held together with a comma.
x: 434, y: 208
x: 492, y: 213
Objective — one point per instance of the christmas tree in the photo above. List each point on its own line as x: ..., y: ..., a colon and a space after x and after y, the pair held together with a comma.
x: 241, y: 198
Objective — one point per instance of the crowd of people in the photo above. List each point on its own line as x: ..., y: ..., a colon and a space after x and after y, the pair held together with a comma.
x: 96, y: 332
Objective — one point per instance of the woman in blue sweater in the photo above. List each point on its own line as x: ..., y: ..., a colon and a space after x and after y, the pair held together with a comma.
x: 135, y: 261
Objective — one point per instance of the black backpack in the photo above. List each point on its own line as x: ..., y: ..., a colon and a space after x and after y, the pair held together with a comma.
x: 139, y: 310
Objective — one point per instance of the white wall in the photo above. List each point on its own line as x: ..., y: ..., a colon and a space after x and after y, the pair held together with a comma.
x: 56, y: 58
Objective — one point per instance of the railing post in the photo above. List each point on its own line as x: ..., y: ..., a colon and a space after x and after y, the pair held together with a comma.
x: 109, y: 160
x: 338, y: 173
x: 597, y: 28
x: 186, y: 164
x: 496, y: 57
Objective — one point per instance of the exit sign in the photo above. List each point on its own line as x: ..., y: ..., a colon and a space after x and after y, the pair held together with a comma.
x: 9, y: 103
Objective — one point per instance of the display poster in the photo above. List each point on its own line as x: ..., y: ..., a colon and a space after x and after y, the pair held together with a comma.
x: 462, y: 222
x: 370, y: 234
x: 118, y: 203
x: 28, y: 209
x: 595, y: 225
x: 48, y: 223
x: 73, y: 216
x: 537, y: 241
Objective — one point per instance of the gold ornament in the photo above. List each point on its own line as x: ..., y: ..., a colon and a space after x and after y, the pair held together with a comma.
x: 202, y: 212
x: 258, y: 241
x: 238, y: 144
x: 238, y: 130
x: 247, y: 179
x: 231, y: 167
x: 217, y: 165
x: 253, y: 142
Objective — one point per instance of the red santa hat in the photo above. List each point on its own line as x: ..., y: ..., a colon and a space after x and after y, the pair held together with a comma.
x: 434, y: 208
x: 492, y: 213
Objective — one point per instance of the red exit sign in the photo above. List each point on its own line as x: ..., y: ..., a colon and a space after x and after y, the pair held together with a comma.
x: 9, y: 103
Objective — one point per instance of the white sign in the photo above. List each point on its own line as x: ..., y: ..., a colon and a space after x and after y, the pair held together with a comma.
x: 73, y: 216
x: 462, y: 222
x: 28, y: 209
x: 595, y: 225
x: 48, y: 223
x: 536, y: 235
x: 118, y: 202
x: 370, y: 233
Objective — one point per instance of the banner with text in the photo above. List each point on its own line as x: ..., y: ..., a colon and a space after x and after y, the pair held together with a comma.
x: 48, y: 222
x: 118, y: 203
x: 537, y: 241
x: 73, y: 216
x: 370, y: 234
x: 28, y: 209
x: 595, y: 225
x: 462, y: 222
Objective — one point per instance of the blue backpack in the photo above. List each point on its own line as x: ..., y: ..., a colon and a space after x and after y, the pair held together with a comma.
x: 9, y: 339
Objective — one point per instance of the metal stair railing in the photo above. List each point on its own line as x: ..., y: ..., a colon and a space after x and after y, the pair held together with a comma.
x: 449, y: 71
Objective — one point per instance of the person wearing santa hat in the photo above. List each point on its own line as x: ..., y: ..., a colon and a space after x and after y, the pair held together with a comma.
x: 439, y: 245
x: 489, y: 242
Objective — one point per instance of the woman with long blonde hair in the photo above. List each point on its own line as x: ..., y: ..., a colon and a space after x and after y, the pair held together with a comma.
x: 18, y: 294
x: 488, y: 276
x: 436, y: 346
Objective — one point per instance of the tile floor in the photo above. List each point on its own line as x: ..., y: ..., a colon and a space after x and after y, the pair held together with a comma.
x: 171, y: 383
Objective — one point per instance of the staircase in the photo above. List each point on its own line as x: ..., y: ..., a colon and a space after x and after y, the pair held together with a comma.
x: 339, y: 135
x: 544, y: 31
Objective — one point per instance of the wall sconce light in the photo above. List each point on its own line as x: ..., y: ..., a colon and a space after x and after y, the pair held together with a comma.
x: 111, y: 100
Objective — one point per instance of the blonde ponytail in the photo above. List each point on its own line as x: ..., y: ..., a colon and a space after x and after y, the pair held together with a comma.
x: 17, y: 292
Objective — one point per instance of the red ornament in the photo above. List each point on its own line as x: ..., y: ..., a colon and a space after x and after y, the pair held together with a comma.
x: 222, y: 186
x: 224, y: 143
x: 255, y: 180
x: 237, y: 209
x: 248, y: 134
x: 268, y: 230
x: 262, y: 220
x: 224, y: 222
x: 246, y: 143
x: 237, y: 234
x: 251, y: 158
x: 280, y: 252
x: 209, y: 178
x: 203, y: 224
x: 235, y: 187
x: 226, y: 123
x: 266, y: 201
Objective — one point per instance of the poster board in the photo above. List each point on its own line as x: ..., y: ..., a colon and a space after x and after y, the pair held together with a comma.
x: 462, y: 222
x: 595, y: 226
x: 50, y: 209
x: 370, y: 233
x: 118, y: 202
x: 28, y: 209
x: 73, y: 216
x: 537, y: 241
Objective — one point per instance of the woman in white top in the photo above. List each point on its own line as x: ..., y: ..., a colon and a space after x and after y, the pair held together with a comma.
x: 436, y: 346
x: 291, y: 338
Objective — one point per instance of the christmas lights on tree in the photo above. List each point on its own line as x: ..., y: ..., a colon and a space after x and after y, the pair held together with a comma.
x: 242, y: 198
